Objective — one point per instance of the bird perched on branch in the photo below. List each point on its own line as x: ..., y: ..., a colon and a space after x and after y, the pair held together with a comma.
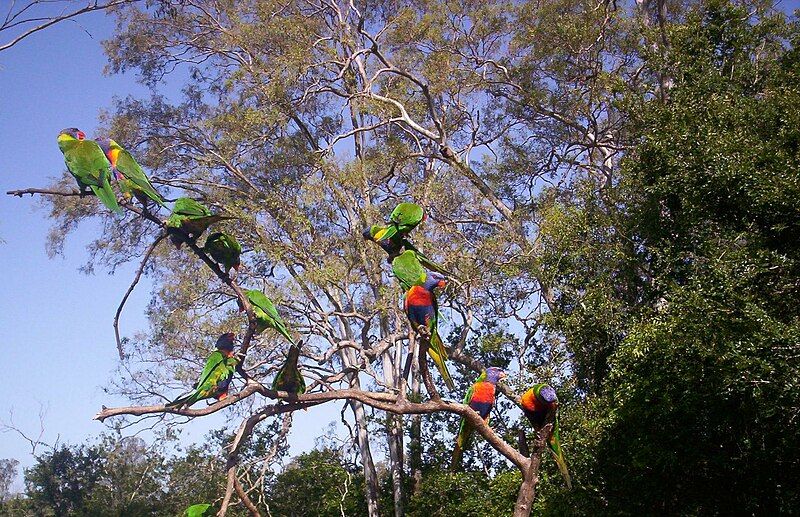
x: 289, y: 378
x: 266, y: 314
x: 192, y: 218
x: 217, y: 374
x: 86, y: 161
x: 130, y: 177
x: 404, y: 218
x: 224, y: 249
x: 422, y: 308
x: 480, y: 397
x: 540, y: 405
x: 392, y: 237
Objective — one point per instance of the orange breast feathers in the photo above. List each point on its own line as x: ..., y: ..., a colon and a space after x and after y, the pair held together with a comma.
x: 112, y: 156
x: 531, y: 403
x: 483, y: 392
x: 528, y: 400
x: 418, y: 295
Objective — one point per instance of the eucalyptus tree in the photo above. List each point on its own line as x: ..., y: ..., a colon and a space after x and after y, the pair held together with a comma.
x: 307, y: 121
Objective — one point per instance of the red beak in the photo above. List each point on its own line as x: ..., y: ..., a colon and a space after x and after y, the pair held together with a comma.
x: 442, y: 283
x: 81, y: 135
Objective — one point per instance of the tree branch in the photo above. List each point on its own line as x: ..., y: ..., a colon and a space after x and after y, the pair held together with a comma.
x: 130, y: 290
x: 383, y: 401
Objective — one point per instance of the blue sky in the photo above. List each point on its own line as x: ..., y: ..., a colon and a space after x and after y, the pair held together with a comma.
x: 58, y: 347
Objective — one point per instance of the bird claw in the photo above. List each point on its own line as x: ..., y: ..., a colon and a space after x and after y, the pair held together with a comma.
x: 424, y: 332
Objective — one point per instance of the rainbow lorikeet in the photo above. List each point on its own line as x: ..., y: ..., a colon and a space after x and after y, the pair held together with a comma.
x: 266, y: 314
x: 216, y: 376
x: 421, y: 306
x: 90, y: 167
x: 480, y: 397
x: 289, y: 378
x: 540, y: 405
x: 392, y: 238
x: 224, y: 249
x: 129, y: 174
x: 199, y: 510
x: 191, y: 217
x: 404, y: 218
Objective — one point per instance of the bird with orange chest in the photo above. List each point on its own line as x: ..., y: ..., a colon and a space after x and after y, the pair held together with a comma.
x: 423, y: 314
x: 480, y: 397
x: 540, y: 406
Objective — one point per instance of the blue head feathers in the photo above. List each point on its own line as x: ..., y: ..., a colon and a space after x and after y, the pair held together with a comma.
x: 494, y: 374
x: 434, y: 280
x: 548, y: 395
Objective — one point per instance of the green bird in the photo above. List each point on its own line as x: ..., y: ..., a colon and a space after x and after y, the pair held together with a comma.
x: 199, y: 510
x: 192, y: 218
x: 224, y: 249
x: 480, y: 397
x: 540, y: 406
x: 422, y: 308
x: 404, y: 218
x: 129, y: 174
x: 289, y: 378
x: 392, y: 238
x: 90, y: 167
x: 216, y: 376
x: 266, y: 314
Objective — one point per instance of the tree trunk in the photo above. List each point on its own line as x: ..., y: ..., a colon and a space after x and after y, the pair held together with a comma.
x: 530, y: 476
x: 370, y: 476
x: 362, y: 438
x: 415, y: 445
x: 394, y: 430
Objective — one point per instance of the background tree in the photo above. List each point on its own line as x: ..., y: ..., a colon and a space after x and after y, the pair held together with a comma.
x: 8, y: 472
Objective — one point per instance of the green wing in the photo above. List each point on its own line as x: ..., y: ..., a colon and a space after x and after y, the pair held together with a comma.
x: 406, y: 216
x: 184, y: 209
x: 138, y: 180
x: 199, y: 510
x: 267, y: 314
x: 215, y: 370
x: 224, y: 249
x: 408, y: 270
x: 289, y: 378
x: 380, y: 233
x: 90, y: 167
x: 188, y: 207
x: 192, y: 217
x: 105, y: 193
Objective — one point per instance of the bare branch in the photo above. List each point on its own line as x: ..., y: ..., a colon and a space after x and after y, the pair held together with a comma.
x: 91, y: 6
x: 135, y: 281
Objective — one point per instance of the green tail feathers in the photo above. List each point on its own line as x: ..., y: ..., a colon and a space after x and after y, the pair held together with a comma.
x: 189, y: 399
x: 285, y: 333
x: 554, y: 443
x: 150, y: 192
x: 455, y: 462
x: 562, y: 466
x: 462, y: 442
x: 439, y: 356
x: 106, y: 194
